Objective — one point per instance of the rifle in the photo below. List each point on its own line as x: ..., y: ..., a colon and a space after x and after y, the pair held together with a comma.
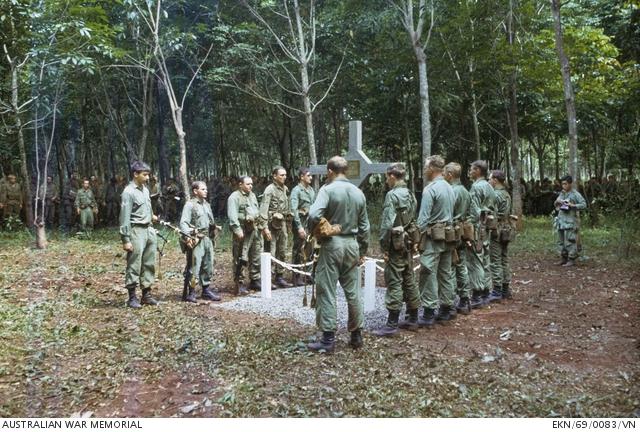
x: 189, y: 277
x: 177, y: 230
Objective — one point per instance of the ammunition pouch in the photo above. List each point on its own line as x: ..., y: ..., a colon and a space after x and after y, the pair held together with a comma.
x: 468, y: 231
x: 457, y: 228
x: 277, y: 221
x: 398, y: 238
x: 248, y: 224
x: 491, y: 222
x: 506, y: 232
x: 437, y: 231
x: 450, y: 234
x: 413, y: 234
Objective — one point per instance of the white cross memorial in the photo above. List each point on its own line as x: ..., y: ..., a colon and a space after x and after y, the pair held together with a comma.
x: 359, y: 169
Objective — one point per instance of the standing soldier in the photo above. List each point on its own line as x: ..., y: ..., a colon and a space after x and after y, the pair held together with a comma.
x: 49, y: 202
x: 452, y: 172
x: 500, y: 238
x: 138, y: 236
x: 568, y: 204
x: 342, y: 208
x: 11, y: 198
x: 275, y: 211
x: 170, y: 193
x: 68, y: 202
x: 397, y: 243
x: 98, y: 190
x: 482, y: 216
x: 437, y: 289
x: 86, y: 207
x: 302, y: 196
x: 197, y: 220
x: 243, y: 211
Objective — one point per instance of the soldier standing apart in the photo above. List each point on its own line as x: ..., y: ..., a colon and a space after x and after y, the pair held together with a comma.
x: 398, y: 222
x: 568, y: 203
x: 437, y: 289
x: 11, y: 198
x: 138, y: 236
x: 302, y: 196
x: 452, y: 172
x: 242, y: 211
x: 482, y: 216
x: 86, y: 207
x: 197, y: 220
x: 275, y: 210
x: 500, y: 238
x: 340, y: 203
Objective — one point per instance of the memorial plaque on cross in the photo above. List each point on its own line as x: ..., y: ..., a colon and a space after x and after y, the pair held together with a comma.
x: 360, y: 166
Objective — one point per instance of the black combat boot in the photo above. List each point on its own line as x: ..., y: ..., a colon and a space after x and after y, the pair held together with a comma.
x: 485, y: 298
x: 570, y: 263
x: 147, y: 299
x: 281, y: 283
x: 496, y: 294
x: 476, y: 300
x: 563, y: 260
x: 411, y: 320
x: 428, y: 318
x: 506, y: 291
x: 444, y: 315
x: 355, y: 341
x: 327, y: 343
x: 133, y: 300
x: 391, y: 327
x: 255, y: 285
x: 464, y: 306
x: 191, y: 296
x: 207, y: 294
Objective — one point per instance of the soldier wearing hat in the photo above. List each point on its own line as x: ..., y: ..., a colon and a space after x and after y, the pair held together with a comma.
x: 138, y: 236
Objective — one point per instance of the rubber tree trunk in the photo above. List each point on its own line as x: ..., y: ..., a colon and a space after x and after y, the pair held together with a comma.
x: 569, y: 96
x: 425, y: 115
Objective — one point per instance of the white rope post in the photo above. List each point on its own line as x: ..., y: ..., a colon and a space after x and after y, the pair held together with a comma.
x: 369, y: 285
x: 265, y: 275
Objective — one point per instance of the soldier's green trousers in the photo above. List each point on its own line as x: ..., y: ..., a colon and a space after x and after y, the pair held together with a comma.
x: 278, y: 248
x: 301, y: 249
x: 249, y: 248
x: 460, y: 273
x: 202, y: 262
x: 567, y: 244
x: 479, y: 267
x: 437, y: 287
x: 338, y: 261
x: 500, y: 268
x: 86, y: 219
x: 141, y: 263
x: 11, y: 209
x: 401, y: 282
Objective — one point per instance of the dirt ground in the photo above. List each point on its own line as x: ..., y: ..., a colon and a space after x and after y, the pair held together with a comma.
x: 78, y: 350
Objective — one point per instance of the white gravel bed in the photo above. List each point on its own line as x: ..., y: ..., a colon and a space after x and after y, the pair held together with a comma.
x: 287, y: 303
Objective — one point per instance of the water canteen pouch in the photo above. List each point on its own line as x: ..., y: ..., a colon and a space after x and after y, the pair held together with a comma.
x: 277, y: 221
x: 413, y: 233
x: 449, y: 234
x: 398, y: 238
x: 438, y: 232
x: 491, y: 222
x: 458, y: 231
x: 468, y: 231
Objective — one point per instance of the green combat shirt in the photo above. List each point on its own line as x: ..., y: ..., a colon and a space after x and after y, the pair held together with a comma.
x: 196, y: 214
x: 342, y: 203
x: 437, y: 204
x: 239, y: 206
x: 483, y: 199
x: 503, y: 203
x: 397, y: 198
x: 11, y: 193
x: 301, y: 199
x: 463, y: 201
x: 274, y: 200
x: 84, y: 199
x: 567, y: 219
x: 134, y: 210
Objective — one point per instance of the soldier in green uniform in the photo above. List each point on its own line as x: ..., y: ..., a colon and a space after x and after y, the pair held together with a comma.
x: 568, y: 203
x: 500, y: 238
x: 11, y: 200
x: 397, y: 244
x: 86, y: 207
x: 197, y: 220
x: 275, y: 211
x: 302, y: 196
x: 437, y: 289
x: 343, y: 204
x: 138, y: 236
x: 452, y: 172
x: 242, y: 212
x: 481, y: 215
x: 48, y: 200
x: 171, y: 196
x: 68, y: 202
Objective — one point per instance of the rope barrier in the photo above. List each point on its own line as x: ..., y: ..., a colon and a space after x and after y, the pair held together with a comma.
x: 290, y: 267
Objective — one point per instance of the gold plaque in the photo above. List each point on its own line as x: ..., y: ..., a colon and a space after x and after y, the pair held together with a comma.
x: 353, y: 169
